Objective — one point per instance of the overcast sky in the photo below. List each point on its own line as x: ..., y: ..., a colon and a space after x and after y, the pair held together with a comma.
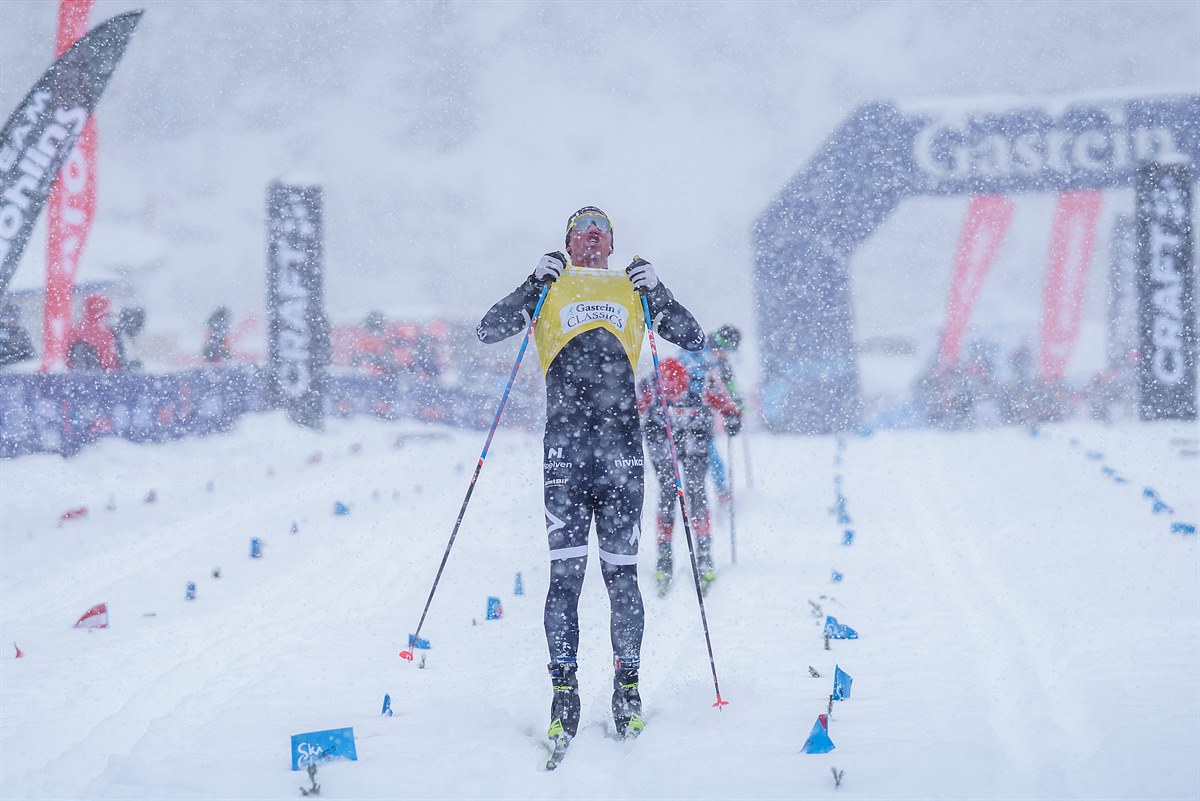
x: 453, y: 139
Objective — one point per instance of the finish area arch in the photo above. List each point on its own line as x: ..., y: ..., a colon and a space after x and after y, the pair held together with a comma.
x: 882, y: 154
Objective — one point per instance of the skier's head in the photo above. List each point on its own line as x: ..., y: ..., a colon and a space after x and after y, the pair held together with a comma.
x: 96, y: 306
x: 727, y: 337
x: 589, y: 235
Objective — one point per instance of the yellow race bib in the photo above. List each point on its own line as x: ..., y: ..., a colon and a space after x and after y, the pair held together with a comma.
x: 586, y: 298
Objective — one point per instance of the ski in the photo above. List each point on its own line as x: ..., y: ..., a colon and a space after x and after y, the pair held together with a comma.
x: 558, y: 753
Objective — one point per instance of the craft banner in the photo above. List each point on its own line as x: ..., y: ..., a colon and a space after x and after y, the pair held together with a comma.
x: 72, y: 203
x: 988, y: 219
x: 1166, y: 286
x: 1072, y: 241
x: 298, y: 333
x: 41, y: 133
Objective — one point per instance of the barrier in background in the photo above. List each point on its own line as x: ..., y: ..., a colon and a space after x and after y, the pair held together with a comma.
x: 62, y: 412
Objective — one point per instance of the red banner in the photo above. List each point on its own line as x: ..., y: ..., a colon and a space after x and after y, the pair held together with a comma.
x: 988, y: 218
x: 72, y: 202
x: 1071, y: 245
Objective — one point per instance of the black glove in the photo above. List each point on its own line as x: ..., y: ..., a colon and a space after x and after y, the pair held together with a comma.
x: 733, y: 425
x: 641, y: 274
x: 550, y: 268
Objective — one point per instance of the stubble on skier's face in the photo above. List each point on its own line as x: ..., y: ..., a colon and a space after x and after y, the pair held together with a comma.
x: 590, y: 247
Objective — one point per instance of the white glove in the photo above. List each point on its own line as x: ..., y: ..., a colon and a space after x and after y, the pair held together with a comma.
x: 641, y: 274
x: 550, y: 268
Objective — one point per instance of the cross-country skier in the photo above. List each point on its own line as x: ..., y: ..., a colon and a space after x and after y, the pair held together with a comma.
x: 692, y: 396
x: 589, y: 337
x: 714, y: 357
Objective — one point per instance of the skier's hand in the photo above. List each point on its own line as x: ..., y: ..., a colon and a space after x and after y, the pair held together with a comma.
x: 550, y: 268
x: 733, y: 425
x: 641, y: 274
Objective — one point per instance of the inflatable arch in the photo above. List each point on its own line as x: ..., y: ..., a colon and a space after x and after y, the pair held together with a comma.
x: 883, y: 154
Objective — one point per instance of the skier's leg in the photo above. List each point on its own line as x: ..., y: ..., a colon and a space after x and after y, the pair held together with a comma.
x: 618, y: 496
x: 717, y: 465
x: 660, y: 457
x: 568, y: 516
x: 694, y: 463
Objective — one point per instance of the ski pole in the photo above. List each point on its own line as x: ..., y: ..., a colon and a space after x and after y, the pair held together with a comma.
x: 687, y: 529
x: 729, y: 484
x: 749, y: 472
x: 408, y: 654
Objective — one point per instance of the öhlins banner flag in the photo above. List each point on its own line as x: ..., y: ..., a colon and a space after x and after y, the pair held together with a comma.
x: 40, y: 134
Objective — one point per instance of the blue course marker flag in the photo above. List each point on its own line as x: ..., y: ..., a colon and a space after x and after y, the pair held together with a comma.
x: 322, y: 746
x: 387, y: 706
x: 841, y: 684
x: 838, y: 631
x: 818, y: 741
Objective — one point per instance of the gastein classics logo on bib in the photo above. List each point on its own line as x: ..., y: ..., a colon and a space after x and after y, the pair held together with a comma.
x: 574, y: 315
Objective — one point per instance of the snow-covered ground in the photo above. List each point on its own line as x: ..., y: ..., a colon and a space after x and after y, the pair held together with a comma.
x: 1028, y: 627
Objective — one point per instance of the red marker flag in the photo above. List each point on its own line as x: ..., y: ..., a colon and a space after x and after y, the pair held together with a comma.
x: 94, y: 618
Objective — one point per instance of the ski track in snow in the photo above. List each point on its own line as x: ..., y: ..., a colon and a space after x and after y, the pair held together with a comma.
x: 1027, y: 627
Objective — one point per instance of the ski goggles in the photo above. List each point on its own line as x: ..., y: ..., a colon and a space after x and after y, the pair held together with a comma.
x: 585, y: 221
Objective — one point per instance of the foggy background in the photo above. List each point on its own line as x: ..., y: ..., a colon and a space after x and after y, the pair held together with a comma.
x: 453, y: 140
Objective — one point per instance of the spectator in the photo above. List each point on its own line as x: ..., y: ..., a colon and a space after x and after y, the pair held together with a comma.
x: 15, y: 344
x: 216, y: 336
x: 130, y: 322
x: 91, y: 343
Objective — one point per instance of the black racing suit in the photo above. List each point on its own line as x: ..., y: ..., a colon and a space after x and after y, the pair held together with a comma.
x: 592, y: 465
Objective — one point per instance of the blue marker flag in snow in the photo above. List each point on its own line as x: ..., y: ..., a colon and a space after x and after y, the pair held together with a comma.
x: 340, y: 508
x: 494, y: 610
x: 837, y: 577
x: 818, y: 741
x: 839, y: 631
x: 1149, y: 492
x: 417, y: 642
x: 518, y: 585
x: 848, y: 537
x: 1160, y: 507
x: 841, y: 684
x: 1183, y: 528
x: 322, y: 746
x: 387, y: 705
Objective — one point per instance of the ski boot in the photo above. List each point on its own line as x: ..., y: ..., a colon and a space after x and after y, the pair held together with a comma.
x: 626, y: 700
x: 662, y: 571
x: 564, y: 709
x: 704, y: 561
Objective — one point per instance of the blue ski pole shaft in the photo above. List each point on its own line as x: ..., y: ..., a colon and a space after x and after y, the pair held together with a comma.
x: 407, y: 654
x: 687, y: 528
